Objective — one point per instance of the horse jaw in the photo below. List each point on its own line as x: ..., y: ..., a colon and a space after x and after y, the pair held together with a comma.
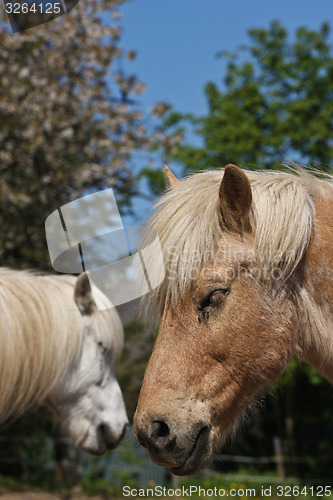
x: 89, y: 403
x: 98, y: 425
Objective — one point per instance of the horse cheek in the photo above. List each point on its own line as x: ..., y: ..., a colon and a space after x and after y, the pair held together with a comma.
x: 251, y: 348
x: 268, y: 341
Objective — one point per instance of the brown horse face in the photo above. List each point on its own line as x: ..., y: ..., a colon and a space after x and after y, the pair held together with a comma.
x: 213, y: 353
x: 215, y: 350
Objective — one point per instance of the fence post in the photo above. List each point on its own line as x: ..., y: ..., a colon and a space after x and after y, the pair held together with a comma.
x: 279, y: 458
x: 175, y: 481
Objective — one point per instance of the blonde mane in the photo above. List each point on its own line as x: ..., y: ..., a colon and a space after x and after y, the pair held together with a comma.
x: 41, y: 336
x: 189, y: 224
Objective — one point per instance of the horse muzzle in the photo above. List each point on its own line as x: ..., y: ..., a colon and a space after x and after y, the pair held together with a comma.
x: 184, y: 447
x: 103, y: 438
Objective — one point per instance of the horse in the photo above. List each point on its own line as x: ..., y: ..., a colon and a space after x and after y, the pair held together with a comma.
x: 57, y: 350
x: 249, y: 275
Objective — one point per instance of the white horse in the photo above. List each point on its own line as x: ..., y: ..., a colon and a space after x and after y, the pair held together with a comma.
x: 57, y: 349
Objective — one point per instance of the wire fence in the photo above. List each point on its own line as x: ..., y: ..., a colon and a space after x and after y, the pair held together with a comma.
x: 129, y: 463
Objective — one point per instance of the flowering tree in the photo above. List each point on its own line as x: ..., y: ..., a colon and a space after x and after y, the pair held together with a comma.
x: 68, y: 121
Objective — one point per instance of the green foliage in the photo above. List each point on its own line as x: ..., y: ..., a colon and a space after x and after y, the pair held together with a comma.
x: 155, y: 180
x: 275, y: 105
x: 97, y: 486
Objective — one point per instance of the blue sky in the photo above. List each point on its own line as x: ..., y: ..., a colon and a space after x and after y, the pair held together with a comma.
x: 177, y: 41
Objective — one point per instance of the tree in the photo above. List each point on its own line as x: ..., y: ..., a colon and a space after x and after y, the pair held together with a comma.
x: 69, y: 121
x: 275, y: 105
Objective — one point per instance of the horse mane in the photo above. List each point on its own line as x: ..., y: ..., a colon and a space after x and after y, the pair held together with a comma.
x: 41, y: 336
x: 188, y: 222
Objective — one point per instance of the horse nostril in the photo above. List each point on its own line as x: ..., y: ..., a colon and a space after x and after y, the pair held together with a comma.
x: 102, y: 429
x: 159, y: 429
x: 104, y: 432
x: 107, y: 436
x: 155, y: 435
x: 161, y: 437
x: 110, y: 439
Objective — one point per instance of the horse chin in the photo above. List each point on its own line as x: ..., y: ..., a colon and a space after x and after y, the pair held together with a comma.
x: 202, y: 453
x: 93, y: 444
x: 93, y: 449
x: 199, y: 458
x: 101, y: 439
x: 191, y: 461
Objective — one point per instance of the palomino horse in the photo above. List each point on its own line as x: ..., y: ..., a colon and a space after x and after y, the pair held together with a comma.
x: 249, y: 275
x: 56, y: 349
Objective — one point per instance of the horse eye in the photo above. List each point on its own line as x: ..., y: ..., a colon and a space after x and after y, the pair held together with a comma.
x: 217, y: 295
x: 213, y: 299
x: 103, y: 347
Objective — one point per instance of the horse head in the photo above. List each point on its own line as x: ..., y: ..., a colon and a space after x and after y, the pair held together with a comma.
x: 227, y: 323
x: 89, y: 401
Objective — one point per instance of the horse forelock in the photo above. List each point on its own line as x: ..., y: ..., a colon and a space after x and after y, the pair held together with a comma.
x: 41, y: 336
x: 190, y: 227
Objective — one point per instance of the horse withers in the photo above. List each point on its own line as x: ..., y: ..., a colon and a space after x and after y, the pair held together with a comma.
x: 57, y: 349
x: 249, y: 275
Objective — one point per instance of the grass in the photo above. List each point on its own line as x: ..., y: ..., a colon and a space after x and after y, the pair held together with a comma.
x: 218, y: 486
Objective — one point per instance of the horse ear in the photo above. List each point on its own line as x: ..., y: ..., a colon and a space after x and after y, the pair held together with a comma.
x: 83, y: 295
x: 170, y: 179
x: 235, y: 199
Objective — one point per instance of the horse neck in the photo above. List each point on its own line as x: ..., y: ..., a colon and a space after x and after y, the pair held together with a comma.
x: 315, y: 300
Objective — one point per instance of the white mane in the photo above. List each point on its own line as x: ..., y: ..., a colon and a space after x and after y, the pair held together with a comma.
x: 41, y: 336
x: 189, y: 224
